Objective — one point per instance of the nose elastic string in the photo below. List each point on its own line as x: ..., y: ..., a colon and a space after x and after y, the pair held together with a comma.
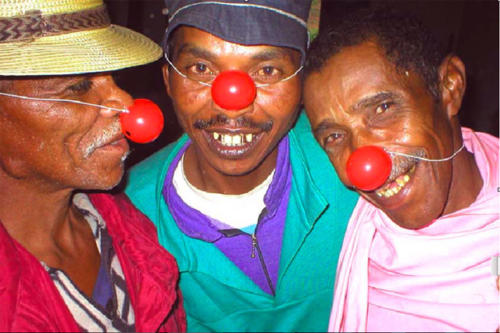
x: 258, y: 85
x: 142, y: 122
x: 184, y: 75
x: 428, y: 159
x: 63, y: 100
x: 369, y: 167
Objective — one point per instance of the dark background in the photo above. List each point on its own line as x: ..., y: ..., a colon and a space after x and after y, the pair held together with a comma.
x: 468, y: 28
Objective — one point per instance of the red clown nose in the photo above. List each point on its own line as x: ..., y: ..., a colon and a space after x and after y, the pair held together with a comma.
x: 144, y: 121
x: 368, y: 168
x: 233, y: 90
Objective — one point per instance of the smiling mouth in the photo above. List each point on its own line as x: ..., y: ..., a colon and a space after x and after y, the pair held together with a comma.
x: 233, y: 140
x: 232, y: 145
x: 393, y: 187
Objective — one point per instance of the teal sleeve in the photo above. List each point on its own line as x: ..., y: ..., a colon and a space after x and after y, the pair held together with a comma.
x: 145, y: 180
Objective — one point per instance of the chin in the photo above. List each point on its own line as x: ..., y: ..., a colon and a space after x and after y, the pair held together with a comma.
x: 414, y: 221
x: 114, y: 182
x: 104, y: 181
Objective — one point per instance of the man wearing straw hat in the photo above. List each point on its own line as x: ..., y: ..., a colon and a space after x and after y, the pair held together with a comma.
x: 73, y: 262
x: 253, y: 212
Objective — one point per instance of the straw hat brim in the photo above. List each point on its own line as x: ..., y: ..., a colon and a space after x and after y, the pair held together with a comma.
x: 89, y: 51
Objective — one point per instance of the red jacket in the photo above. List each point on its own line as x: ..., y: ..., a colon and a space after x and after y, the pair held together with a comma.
x: 29, y: 300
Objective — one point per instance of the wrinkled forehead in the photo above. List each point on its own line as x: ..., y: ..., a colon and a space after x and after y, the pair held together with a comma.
x: 359, y: 70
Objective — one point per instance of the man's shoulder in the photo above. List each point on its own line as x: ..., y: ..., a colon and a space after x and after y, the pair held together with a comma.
x: 303, y: 137
x: 144, y: 178
x: 488, y: 140
x: 484, y: 146
x: 302, y: 125
x: 118, y: 214
x: 157, y: 159
x: 311, y: 163
x: 305, y: 150
x: 151, y: 168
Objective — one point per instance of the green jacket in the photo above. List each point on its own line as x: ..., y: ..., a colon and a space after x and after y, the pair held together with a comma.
x: 218, y: 296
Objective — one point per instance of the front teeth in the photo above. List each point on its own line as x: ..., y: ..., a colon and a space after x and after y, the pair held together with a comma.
x: 396, y: 186
x: 233, y: 140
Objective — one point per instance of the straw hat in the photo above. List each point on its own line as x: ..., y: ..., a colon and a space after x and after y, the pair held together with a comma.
x: 51, y: 37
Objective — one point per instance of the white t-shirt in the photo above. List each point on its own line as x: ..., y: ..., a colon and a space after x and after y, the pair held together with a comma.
x: 239, y: 211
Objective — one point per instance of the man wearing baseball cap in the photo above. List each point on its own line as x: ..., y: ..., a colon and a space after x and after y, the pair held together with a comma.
x: 245, y: 200
x: 73, y: 261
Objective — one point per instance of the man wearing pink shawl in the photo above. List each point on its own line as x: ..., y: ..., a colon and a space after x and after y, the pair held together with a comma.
x: 418, y: 251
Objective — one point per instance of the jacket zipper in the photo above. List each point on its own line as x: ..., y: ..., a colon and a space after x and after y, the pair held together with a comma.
x: 256, y: 248
x: 254, y: 245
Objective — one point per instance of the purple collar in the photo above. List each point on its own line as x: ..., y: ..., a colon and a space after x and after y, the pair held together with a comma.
x: 196, y: 225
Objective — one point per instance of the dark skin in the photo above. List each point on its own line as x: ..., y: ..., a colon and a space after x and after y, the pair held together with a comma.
x: 47, y: 151
x: 208, y: 164
x: 359, y: 98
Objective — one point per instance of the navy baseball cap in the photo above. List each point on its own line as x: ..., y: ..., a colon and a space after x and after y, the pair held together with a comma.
x: 280, y: 23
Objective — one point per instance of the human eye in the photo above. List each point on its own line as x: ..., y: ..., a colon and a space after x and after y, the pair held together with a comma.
x: 383, y: 107
x: 81, y: 87
x: 200, y: 68
x: 268, y: 71
x: 267, y: 74
x: 199, y: 71
x: 334, y: 138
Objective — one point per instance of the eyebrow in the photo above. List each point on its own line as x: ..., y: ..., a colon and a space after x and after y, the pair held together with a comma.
x: 323, y: 126
x: 373, y: 100
x: 195, y: 50
x: 268, y: 54
x: 363, y: 103
x: 57, y: 84
x: 271, y: 54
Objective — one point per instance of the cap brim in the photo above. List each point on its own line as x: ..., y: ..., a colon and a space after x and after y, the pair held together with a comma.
x: 91, y: 51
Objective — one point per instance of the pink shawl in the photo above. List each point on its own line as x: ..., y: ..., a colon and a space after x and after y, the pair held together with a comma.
x: 438, y: 278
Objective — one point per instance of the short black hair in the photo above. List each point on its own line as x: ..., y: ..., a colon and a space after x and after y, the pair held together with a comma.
x: 407, y: 43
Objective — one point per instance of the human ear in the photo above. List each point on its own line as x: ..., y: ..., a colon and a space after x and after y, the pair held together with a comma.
x: 452, y: 84
x: 166, y: 74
